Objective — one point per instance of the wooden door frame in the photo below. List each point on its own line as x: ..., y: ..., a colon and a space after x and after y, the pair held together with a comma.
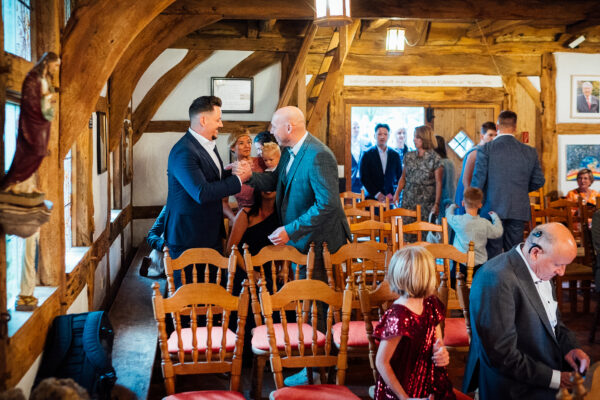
x: 365, y: 102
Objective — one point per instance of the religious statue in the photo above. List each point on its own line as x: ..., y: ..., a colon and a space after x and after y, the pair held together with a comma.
x: 26, y: 210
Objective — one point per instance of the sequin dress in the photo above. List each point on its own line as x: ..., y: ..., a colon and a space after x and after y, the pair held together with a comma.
x: 411, y: 362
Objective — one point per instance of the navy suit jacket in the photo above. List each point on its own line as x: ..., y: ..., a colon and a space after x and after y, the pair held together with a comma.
x: 194, y: 210
x: 506, y: 170
x: 582, y: 105
x: 513, y: 347
x: 372, y: 175
x: 155, y: 237
x: 308, y: 197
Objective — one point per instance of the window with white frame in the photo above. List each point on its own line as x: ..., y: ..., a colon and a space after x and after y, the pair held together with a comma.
x: 460, y: 144
x: 17, y: 27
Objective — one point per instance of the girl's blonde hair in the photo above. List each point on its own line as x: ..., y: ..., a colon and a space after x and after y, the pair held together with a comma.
x: 412, y: 272
x: 270, y: 148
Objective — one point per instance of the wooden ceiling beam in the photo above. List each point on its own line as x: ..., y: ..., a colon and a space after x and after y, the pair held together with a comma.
x: 149, y: 44
x: 254, y: 63
x: 489, y: 27
x: 208, y: 42
x: 533, y: 93
x: 228, y: 126
x: 420, y: 95
x: 557, y: 11
x: 161, y: 90
x: 452, y: 64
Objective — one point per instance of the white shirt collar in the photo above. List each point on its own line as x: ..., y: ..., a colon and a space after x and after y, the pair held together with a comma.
x: 382, y: 151
x: 207, y: 144
x: 296, y: 148
x: 534, y: 277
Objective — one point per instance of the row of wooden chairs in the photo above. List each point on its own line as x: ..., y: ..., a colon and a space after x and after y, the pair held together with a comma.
x: 352, y: 263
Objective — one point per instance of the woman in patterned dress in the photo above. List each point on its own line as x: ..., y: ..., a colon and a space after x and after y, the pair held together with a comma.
x: 422, y: 175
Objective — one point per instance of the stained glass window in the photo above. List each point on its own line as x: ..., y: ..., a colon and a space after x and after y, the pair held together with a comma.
x: 461, y: 143
x: 17, y: 27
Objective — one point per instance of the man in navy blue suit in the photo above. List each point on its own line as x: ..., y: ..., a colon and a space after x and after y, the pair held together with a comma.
x: 380, y: 167
x: 507, y: 170
x: 198, y: 183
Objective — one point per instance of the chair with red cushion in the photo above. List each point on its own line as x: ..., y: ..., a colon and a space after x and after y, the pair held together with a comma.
x: 279, y: 258
x: 201, y: 350
x: 303, y: 295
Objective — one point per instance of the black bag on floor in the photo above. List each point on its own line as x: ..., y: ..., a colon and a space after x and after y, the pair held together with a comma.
x: 79, y: 346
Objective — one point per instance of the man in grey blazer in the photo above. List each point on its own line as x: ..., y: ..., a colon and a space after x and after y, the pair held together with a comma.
x: 520, y: 349
x: 306, y: 181
x: 507, y: 170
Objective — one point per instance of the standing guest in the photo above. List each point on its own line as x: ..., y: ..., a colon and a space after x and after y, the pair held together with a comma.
x: 271, y: 155
x: 380, y: 167
x: 520, y: 349
x: 356, y: 153
x: 470, y: 227
x: 422, y: 175
x: 198, y: 183
x: 448, y: 186
x: 486, y: 134
x: 506, y: 170
x: 401, y: 146
x: 586, y: 102
x: 585, y: 178
x: 260, y: 139
x: 411, y: 358
x: 240, y: 144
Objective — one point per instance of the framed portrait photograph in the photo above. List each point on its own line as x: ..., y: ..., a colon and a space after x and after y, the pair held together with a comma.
x: 237, y: 94
x: 102, y: 142
x: 585, y: 92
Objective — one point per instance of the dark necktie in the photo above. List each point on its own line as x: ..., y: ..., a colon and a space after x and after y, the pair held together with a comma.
x: 220, y: 162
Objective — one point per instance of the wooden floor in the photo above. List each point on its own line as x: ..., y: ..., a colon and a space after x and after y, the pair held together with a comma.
x: 138, y: 379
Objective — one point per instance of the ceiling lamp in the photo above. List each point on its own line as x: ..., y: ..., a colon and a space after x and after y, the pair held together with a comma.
x: 332, y: 13
x: 395, y: 40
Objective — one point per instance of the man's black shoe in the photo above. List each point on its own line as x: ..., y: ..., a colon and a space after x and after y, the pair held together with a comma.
x: 146, y: 261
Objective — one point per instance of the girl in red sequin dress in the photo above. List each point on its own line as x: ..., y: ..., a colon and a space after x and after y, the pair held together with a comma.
x: 411, y: 359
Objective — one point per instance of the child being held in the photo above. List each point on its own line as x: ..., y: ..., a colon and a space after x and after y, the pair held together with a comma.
x: 271, y: 155
x: 411, y: 358
x: 470, y: 227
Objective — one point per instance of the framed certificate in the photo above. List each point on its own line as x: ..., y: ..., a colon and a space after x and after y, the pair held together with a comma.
x: 237, y: 94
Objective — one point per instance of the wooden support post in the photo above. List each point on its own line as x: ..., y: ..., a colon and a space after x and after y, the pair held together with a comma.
x: 510, y: 87
x: 549, y: 136
x: 531, y: 90
x: 302, y: 89
x: 83, y: 218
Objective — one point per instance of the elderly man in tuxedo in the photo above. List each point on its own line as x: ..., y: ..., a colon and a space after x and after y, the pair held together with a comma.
x: 197, y: 183
x: 520, y: 349
x: 507, y: 170
x: 586, y: 102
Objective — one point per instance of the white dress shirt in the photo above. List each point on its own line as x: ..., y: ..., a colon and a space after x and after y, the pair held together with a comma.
x: 294, y: 152
x: 544, y: 289
x: 383, y: 157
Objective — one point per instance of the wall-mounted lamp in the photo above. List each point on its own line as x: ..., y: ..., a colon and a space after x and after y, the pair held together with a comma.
x: 395, y: 40
x: 332, y: 13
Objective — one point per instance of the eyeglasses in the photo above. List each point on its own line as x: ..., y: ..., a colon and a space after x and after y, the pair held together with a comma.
x: 536, y: 234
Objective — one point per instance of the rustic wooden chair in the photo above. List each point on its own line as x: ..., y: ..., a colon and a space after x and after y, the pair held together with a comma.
x: 351, y: 262
x: 350, y: 199
x: 375, y: 207
x: 371, y: 231
x: 312, y: 348
x: 201, y: 350
x: 537, y: 199
x: 278, y: 259
x: 203, y: 262
x: 396, y: 218
x: 421, y: 228
x: 355, y: 215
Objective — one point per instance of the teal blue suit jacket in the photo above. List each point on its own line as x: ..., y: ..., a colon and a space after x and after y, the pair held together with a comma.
x: 307, y: 200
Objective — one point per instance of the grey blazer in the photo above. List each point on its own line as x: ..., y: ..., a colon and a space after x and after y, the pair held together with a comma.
x: 507, y: 170
x: 513, y: 349
x: 308, y: 199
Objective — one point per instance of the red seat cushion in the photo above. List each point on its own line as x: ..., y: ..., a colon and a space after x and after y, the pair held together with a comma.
x: 455, y: 333
x: 260, y: 340
x: 461, y: 395
x: 322, y: 392
x: 216, y: 336
x: 357, y: 333
x: 206, y: 395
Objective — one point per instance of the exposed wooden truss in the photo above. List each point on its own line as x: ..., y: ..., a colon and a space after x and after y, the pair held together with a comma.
x: 255, y: 63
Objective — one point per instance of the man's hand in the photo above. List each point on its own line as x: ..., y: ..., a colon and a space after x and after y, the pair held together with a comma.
x: 279, y: 236
x: 380, y: 197
x: 565, y: 380
x: 243, y: 170
x: 440, y: 357
x: 575, y: 357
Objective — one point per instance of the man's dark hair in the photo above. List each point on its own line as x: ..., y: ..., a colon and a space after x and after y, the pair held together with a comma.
x: 386, y: 126
x: 204, y: 104
x: 507, y: 118
x: 264, y: 137
x: 487, y: 126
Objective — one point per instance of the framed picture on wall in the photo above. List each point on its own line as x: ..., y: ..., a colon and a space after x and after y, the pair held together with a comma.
x: 237, y: 94
x: 576, y: 152
x: 102, y: 142
x: 585, y: 92
x: 127, y: 152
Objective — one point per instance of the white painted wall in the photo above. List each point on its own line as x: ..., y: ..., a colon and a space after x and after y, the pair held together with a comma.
x: 99, y: 188
x: 100, y: 283
x: 115, y: 259
x: 140, y: 230
x: 80, y: 305
x: 26, y: 382
x: 126, y: 195
x: 127, y: 238
x: 568, y: 64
